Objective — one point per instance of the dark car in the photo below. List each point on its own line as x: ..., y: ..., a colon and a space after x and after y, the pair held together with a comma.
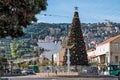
x: 17, y: 71
x: 28, y: 71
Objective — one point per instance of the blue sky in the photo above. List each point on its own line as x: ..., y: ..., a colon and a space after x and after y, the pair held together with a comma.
x: 90, y: 11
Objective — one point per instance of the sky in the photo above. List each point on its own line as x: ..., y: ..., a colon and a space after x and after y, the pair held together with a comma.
x: 90, y: 11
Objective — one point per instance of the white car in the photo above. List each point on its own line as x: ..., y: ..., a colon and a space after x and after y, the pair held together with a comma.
x: 28, y: 71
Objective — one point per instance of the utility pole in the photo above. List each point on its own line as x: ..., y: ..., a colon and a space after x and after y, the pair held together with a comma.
x: 52, y: 62
x: 32, y: 46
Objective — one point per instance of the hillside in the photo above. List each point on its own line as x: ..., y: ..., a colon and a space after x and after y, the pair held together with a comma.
x: 93, y: 32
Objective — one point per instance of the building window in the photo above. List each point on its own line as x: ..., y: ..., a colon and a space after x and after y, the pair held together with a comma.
x: 106, y: 59
x: 116, y: 59
x: 116, y: 45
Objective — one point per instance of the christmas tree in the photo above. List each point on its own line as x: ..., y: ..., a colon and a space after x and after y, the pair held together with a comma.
x: 78, y: 55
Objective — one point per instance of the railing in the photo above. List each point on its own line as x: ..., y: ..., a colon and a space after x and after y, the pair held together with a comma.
x: 25, y: 60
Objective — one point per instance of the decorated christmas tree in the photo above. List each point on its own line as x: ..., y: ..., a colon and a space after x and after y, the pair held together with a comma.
x: 78, y: 55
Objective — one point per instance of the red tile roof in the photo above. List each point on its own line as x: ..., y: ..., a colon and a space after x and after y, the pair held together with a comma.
x: 109, y: 40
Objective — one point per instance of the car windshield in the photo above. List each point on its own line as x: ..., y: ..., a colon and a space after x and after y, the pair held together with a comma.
x: 114, y: 67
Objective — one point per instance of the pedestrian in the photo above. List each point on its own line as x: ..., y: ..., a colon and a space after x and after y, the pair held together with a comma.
x: 56, y: 72
x: 103, y: 71
x: 76, y: 68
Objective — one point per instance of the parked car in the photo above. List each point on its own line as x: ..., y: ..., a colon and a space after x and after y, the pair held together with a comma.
x: 113, y: 69
x: 17, y: 71
x: 34, y: 67
x: 28, y: 71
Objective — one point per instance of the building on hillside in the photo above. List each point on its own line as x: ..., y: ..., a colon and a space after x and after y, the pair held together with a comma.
x: 54, y: 31
x: 56, y: 58
x: 59, y: 57
x: 107, y: 52
x: 5, y: 48
x: 50, y: 48
x: 49, y: 39
x: 43, y: 60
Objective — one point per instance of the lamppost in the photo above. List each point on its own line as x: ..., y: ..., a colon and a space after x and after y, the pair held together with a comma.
x: 68, y: 60
x: 11, y: 66
x: 32, y: 54
x: 68, y: 54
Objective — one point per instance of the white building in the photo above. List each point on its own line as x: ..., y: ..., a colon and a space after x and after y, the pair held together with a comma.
x: 107, y: 52
x: 50, y: 48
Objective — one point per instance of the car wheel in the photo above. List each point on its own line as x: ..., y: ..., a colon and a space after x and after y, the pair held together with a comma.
x: 119, y: 76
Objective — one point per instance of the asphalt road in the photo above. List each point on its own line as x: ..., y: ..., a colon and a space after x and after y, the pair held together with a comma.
x: 27, y: 78
x: 30, y: 79
x: 59, y: 78
x: 35, y: 77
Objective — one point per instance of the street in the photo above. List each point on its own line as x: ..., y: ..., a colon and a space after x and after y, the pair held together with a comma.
x: 60, y: 77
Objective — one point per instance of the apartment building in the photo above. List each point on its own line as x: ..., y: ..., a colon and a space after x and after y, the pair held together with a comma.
x: 107, y: 52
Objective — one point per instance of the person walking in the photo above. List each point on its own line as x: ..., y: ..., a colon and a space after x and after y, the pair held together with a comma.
x: 56, y: 72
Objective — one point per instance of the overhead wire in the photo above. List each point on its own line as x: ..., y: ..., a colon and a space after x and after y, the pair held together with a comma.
x: 95, y: 17
x: 50, y: 15
x: 56, y: 15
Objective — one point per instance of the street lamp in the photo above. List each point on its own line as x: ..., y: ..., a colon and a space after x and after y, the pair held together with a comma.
x: 11, y: 66
x: 33, y: 54
x: 68, y: 54
x: 68, y: 60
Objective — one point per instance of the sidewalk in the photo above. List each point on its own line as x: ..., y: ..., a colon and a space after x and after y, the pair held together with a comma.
x: 75, y: 76
x: 58, y: 74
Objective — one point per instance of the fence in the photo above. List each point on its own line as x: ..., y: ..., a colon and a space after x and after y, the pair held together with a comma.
x: 79, y: 69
